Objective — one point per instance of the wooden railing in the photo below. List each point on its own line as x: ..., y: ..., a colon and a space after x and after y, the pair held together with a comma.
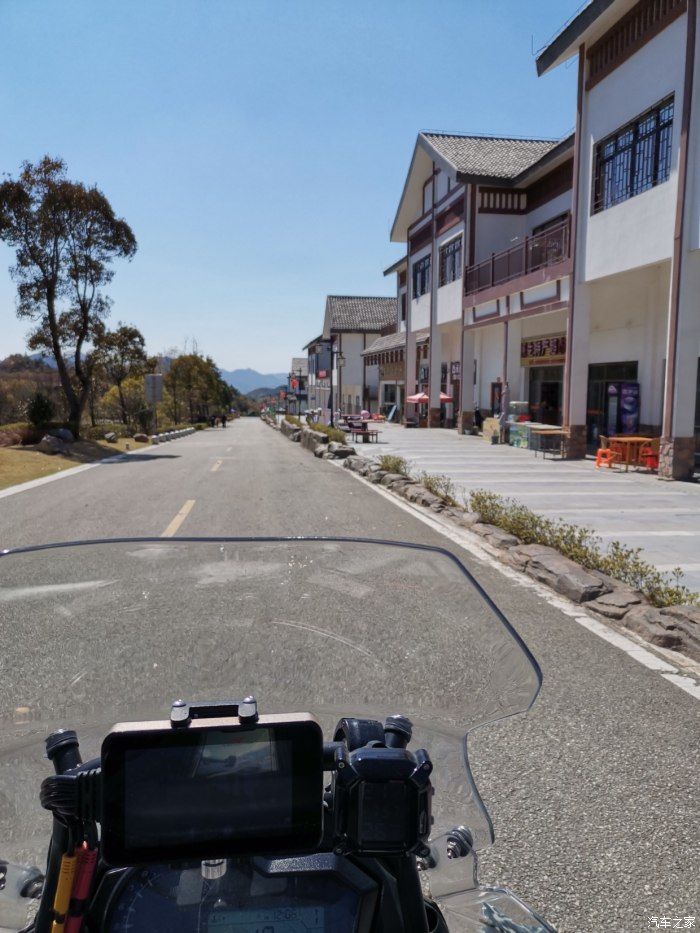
x: 535, y: 252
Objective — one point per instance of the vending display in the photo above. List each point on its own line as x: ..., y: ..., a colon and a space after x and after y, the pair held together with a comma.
x: 622, y: 408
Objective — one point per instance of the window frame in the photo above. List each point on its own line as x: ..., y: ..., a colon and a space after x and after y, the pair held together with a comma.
x: 451, y: 252
x: 420, y: 272
x: 616, y: 176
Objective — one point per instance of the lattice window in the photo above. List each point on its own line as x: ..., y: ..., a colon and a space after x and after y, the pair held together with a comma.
x: 634, y: 158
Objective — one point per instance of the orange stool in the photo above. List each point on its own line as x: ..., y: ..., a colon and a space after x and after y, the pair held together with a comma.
x: 649, y: 457
x: 606, y: 456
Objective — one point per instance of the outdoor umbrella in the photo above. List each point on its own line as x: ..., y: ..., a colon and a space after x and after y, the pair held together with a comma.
x: 445, y: 398
x: 419, y: 399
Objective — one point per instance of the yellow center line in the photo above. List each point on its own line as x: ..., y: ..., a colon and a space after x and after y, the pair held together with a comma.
x: 179, y: 519
x: 216, y: 466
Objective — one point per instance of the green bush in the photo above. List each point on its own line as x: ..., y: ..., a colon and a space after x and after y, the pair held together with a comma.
x: 39, y: 410
x: 440, y: 485
x: 292, y: 419
x: 394, y: 464
x: 333, y: 434
x: 584, y: 546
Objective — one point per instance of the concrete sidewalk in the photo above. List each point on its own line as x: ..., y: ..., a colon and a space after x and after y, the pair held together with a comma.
x: 634, y: 508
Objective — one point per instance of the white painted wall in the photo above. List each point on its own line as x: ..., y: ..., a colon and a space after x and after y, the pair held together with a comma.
x: 639, y: 231
x: 420, y: 312
x: 449, y: 302
x: 420, y: 307
x: 440, y: 186
x: 496, y: 232
x: 489, y: 356
x: 352, y: 346
x: 627, y: 322
x: 548, y: 211
x: 449, y: 297
x: 693, y: 180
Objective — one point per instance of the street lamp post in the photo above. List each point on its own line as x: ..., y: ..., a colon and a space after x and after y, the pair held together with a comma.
x: 340, y: 359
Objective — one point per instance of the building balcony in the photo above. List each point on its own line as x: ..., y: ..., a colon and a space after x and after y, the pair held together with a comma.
x: 535, y: 260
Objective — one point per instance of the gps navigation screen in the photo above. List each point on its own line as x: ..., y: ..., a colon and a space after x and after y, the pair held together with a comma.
x: 223, y: 785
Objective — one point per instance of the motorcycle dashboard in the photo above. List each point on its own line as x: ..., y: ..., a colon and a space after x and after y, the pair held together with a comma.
x: 313, y: 894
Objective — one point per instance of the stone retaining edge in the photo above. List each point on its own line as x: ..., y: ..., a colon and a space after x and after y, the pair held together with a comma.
x: 675, y: 627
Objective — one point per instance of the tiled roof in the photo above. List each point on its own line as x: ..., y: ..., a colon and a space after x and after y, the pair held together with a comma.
x: 490, y: 156
x: 318, y: 339
x: 350, y: 313
x: 392, y: 341
x: 388, y: 342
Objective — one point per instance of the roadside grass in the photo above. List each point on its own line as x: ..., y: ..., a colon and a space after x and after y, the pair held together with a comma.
x: 22, y: 464
x: 394, y: 464
x: 584, y: 547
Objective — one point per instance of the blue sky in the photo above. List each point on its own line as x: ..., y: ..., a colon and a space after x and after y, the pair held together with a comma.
x: 258, y: 149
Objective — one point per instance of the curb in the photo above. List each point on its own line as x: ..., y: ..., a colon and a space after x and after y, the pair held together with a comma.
x: 673, y: 629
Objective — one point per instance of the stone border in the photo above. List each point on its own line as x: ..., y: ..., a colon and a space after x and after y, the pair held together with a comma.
x: 675, y: 627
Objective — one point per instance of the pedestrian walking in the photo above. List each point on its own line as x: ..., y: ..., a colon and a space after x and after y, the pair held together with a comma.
x: 223, y: 420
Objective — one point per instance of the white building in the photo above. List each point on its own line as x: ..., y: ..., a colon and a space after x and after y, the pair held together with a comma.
x: 636, y: 300
x: 486, y: 225
x: 351, y: 324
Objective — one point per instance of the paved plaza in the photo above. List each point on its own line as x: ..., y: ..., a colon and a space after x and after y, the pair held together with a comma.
x: 635, y: 508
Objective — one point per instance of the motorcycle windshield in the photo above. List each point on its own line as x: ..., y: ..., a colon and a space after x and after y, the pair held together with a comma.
x: 96, y: 633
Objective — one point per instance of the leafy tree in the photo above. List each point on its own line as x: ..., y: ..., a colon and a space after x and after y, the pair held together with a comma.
x: 194, y: 388
x: 40, y: 409
x: 119, y: 354
x: 128, y: 402
x: 65, y: 236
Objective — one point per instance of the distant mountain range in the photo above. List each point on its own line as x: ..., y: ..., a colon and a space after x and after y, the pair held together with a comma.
x: 245, y: 380
x: 264, y: 392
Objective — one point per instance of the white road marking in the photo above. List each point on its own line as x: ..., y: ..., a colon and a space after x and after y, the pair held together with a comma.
x: 633, y: 508
x: 216, y: 466
x: 179, y: 519
x: 61, y: 474
x: 642, y: 533
x: 685, y: 683
x: 229, y: 449
x: 636, y: 651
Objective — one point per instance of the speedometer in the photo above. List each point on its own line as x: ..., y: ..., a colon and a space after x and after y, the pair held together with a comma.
x: 311, y: 894
x: 272, y: 920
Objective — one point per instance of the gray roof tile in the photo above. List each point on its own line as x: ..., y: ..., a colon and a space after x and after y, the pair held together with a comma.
x: 490, y: 156
x: 360, y: 313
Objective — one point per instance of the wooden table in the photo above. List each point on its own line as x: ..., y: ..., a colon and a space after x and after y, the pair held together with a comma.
x: 631, y: 444
x: 367, y: 435
x: 551, y: 436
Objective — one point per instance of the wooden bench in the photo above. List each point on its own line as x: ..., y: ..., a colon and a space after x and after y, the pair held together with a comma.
x: 366, y: 434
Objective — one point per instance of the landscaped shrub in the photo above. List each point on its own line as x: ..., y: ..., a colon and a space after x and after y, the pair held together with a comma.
x: 394, y: 464
x: 440, y: 485
x: 98, y: 431
x: 39, y: 409
x: 583, y: 546
x: 334, y: 434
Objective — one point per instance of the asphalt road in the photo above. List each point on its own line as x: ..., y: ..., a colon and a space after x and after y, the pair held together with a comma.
x: 593, y: 793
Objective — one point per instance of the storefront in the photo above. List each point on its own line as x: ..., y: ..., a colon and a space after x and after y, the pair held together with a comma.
x: 607, y: 383
x: 543, y: 358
